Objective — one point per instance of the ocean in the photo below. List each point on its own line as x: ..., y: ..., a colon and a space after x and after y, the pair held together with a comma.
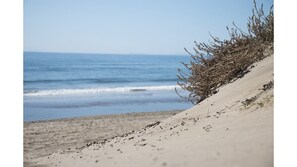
x: 67, y: 85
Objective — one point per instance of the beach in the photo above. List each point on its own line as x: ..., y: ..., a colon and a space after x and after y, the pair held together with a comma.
x: 42, y: 138
x: 234, y: 127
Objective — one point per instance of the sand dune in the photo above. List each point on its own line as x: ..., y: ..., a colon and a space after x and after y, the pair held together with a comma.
x: 232, y: 128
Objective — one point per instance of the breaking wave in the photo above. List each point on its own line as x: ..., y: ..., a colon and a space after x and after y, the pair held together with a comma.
x: 60, y: 92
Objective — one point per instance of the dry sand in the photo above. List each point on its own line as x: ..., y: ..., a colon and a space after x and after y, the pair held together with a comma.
x: 45, y: 137
x: 231, y: 128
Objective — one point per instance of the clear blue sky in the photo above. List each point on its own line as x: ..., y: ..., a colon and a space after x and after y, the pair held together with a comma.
x: 129, y: 26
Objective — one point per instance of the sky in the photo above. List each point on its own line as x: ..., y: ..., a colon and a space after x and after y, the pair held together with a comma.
x: 129, y: 26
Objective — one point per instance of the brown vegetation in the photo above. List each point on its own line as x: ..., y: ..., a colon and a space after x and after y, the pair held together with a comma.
x: 222, y: 61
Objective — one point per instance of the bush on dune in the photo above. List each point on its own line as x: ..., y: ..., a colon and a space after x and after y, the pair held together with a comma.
x: 220, y: 62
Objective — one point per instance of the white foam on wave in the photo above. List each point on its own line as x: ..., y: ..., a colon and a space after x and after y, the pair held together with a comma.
x: 59, y: 92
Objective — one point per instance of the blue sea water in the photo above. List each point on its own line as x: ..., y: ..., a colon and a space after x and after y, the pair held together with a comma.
x: 65, y: 85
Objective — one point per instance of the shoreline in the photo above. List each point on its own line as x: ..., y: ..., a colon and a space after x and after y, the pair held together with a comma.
x: 41, y: 138
x: 99, y: 115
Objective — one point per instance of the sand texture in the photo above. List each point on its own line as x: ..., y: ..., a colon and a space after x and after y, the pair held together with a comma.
x: 44, y: 137
x: 231, y: 128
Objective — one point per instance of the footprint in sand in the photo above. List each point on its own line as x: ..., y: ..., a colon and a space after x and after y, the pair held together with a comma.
x: 207, y: 128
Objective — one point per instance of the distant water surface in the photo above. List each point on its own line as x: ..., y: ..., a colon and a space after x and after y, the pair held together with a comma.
x: 65, y: 85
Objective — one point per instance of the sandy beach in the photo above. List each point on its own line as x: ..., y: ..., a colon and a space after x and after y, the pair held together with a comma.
x: 42, y: 138
x: 231, y: 128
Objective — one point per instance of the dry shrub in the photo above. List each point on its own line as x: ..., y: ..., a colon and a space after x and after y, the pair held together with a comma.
x: 223, y: 61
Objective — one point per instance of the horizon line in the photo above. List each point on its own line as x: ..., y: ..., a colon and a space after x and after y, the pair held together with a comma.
x: 144, y: 54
